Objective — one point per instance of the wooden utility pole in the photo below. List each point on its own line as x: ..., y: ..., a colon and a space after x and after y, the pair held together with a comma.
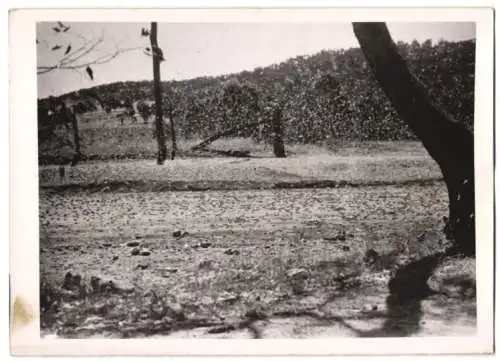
x: 157, y: 59
x: 278, y: 144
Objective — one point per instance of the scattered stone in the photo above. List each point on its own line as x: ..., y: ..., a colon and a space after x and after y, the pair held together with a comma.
x: 114, y: 258
x: 162, y: 325
x: 205, y: 264
x: 347, y: 282
x: 107, y: 244
x: 94, y: 319
x: 95, y: 283
x: 346, y: 248
x: 142, y: 266
x: 369, y: 308
x: 371, y: 256
x: 180, y: 234
x: 298, y: 277
x: 122, y: 286
x: 176, y: 312
x: 298, y: 287
x: 145, y: 252
x: 108, y: 286
x: 421, y: 237
x: 256, y: 314
x: 313, y: 222
x: 229, y: 298
x: 138, y: 237
x: 298, y: 273
x: 135, y: 251
x: 230, y: 251
x: 205, y: 244
x: 341, y: 236
x: 171, y: 270
x: 133, y: 244
x: 72, y: 282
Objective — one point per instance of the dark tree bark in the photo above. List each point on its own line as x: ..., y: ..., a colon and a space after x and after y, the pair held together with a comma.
x: 68, y: 114
x: 278, y: 144
x: 172, y: 131
x: 157, y: 58
x: 448, y: 142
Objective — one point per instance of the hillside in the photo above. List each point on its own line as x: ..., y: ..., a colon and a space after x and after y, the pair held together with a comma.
x: 328, y: 95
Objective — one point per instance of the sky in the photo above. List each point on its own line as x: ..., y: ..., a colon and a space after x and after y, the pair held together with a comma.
x: 206, y: 49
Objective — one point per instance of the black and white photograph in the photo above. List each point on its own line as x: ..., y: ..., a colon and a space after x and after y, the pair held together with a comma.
x: 268, y: 175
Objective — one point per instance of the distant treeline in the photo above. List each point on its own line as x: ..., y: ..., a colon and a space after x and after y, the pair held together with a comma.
x: 329, y: 95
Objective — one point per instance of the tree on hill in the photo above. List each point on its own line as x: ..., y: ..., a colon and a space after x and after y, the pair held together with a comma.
x: 448, y: 142
x: 73, y: 52
x: 357, y: 108
x: 157, y: 54
x: 145, y: 110
x: 239, y: 106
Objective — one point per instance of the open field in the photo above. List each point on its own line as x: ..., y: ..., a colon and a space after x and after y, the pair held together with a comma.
x: 110, y: 141
x: 229, y: 275
x: 309, y: 165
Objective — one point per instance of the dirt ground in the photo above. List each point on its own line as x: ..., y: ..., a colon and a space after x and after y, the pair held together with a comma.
x: 256, y: 263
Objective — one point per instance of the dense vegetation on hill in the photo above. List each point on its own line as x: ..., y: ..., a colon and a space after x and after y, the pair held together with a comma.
x: 329, y: 95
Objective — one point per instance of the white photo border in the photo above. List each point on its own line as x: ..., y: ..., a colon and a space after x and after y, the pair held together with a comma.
x: 24, y: 238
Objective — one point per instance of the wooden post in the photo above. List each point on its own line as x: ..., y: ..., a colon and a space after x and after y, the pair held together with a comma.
x: 157, y: 58
x: 278, y: 144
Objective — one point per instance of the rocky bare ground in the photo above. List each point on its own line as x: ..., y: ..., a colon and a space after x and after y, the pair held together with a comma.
x: 245, y: 263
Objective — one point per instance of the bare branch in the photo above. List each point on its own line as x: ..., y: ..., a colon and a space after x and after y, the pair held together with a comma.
x: 102, y: 59
x: 84, y: 53
x: 74, y: 52
x: 70, y: 63
x: 45, y: 69
x: 78, y: 35
x: 74, y: 60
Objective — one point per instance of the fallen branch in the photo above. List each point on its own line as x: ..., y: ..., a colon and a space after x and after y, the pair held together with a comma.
x: 231, y: 153
x: 226, y: 132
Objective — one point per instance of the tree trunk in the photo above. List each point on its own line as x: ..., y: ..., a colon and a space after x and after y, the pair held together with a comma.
x: 278, y: 144
x: 172, y: 132
x: 160, y: 132
x: 69, y: 114
x: 448, y: 142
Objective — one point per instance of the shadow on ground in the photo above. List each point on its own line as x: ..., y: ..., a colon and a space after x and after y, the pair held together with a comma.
x: 403, y: 316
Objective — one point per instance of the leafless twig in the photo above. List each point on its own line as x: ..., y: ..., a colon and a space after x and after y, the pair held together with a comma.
x: 73, y: 60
